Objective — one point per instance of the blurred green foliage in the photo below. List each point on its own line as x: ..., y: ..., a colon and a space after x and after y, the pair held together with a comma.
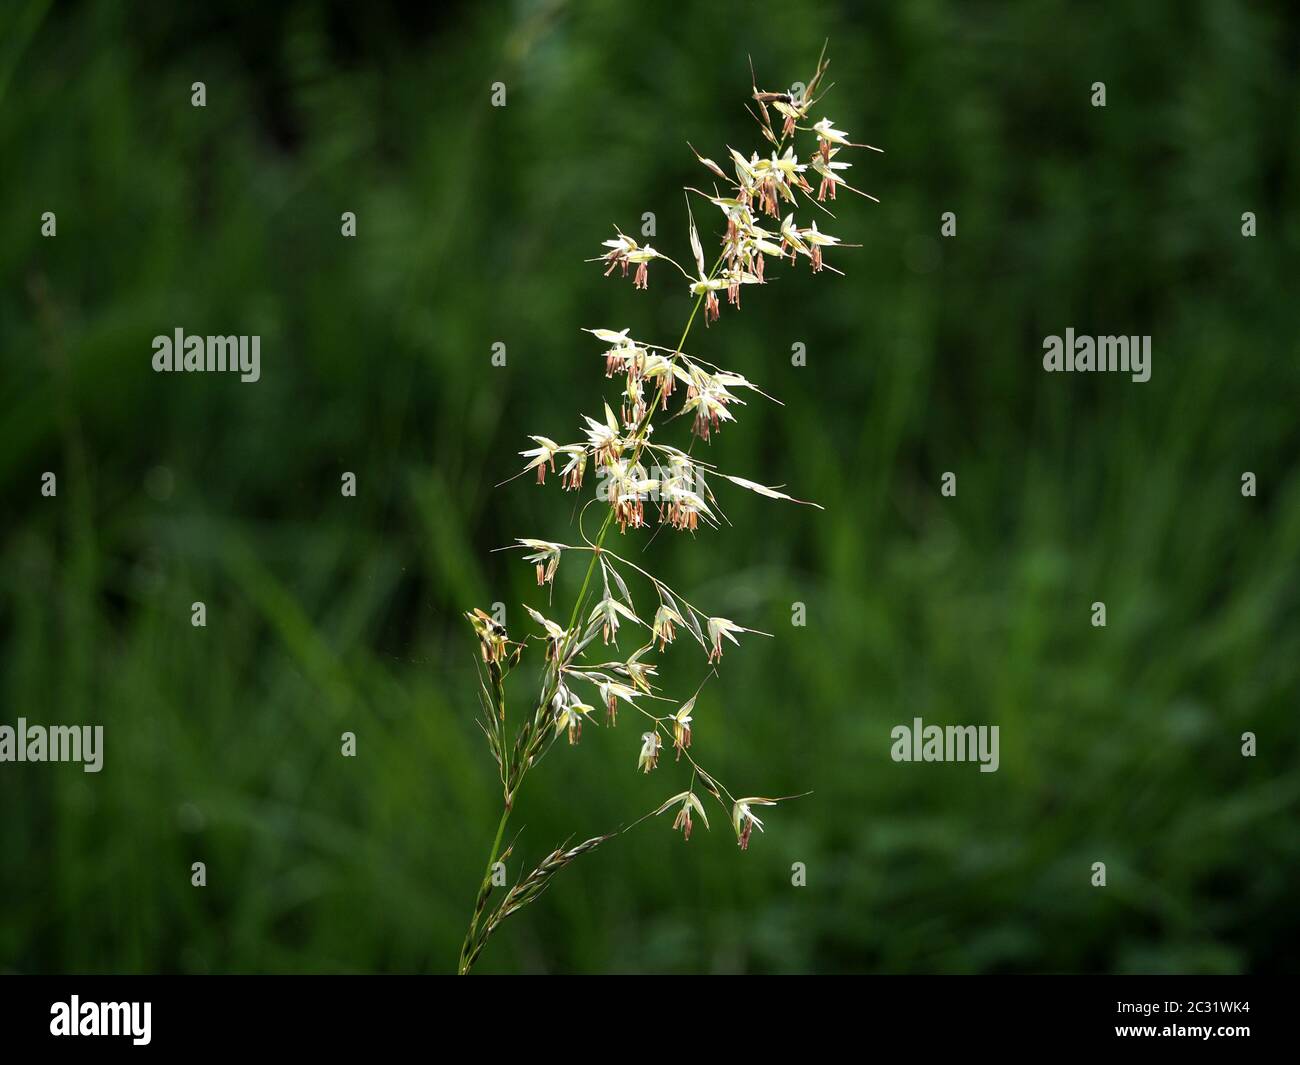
x: 328, y: 614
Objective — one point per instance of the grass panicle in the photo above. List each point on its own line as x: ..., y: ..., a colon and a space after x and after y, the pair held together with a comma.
x: 758, y: 196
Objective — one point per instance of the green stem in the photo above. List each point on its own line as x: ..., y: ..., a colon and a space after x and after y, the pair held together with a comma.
x: 463, y: 966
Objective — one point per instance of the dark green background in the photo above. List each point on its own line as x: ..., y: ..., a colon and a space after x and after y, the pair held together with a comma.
x: 328, y: 614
